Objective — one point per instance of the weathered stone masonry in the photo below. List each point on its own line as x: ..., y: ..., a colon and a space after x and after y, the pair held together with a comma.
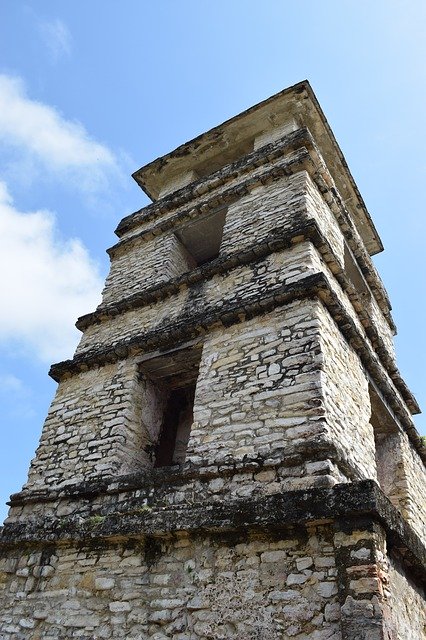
x: 230, y: 453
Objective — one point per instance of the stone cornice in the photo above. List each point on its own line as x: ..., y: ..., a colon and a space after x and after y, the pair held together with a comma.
x: 206, y: 187
x: 306, y: 157
x: 221, y: 265
x: 189, y: 325
x: 275, y: 242
x: 362, y: 500
x: 234, y: 137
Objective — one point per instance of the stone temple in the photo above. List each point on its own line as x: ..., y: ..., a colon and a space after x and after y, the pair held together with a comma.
x: 230, y: 453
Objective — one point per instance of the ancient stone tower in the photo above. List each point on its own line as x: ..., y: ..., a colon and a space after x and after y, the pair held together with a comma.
x: 230, y: 453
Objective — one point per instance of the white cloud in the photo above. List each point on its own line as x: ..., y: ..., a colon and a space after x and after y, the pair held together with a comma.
x: 47, y: 141
x: 46, y: 283
x: 56, y: 36
x: 11, y: 384
x: 16, y: 398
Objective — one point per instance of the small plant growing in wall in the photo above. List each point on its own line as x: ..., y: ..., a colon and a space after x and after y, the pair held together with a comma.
x: 94, y: 521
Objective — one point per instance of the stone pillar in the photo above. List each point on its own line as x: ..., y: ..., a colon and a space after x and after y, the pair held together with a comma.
x: 361, y: 560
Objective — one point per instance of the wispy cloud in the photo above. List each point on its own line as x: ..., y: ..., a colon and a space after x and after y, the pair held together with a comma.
x: 16, y: 398
x: 56, y: 36
x: 46, y: 140
x: 47, y: 283
x: 9, y: 383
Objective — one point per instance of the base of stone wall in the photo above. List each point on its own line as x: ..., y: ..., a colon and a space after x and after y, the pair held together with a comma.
x: 313, y: 562
x: 133, y: 518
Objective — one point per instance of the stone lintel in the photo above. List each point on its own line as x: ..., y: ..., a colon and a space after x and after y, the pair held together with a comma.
x: 236, y: 138
x: 362, y: 502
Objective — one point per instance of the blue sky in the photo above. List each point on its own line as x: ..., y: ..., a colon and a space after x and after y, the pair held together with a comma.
x: 91, y: 91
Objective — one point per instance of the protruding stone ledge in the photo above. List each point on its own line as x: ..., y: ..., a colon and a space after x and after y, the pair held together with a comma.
x: 277, y: 241
x: 240, y: 132
x: 190, y: 325
x: 162, y: 481
x: 271, y: 152
x: 306, y: 157
x: 362, y: 499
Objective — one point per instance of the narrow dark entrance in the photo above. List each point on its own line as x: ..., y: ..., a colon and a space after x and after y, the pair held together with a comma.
x: 178, y: 418
x: 175, y: 373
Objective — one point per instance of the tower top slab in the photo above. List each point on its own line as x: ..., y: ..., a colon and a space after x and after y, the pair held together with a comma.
x: 293, y: 108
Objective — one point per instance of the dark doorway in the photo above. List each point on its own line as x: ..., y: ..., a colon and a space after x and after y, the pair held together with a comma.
x: 178, y: 418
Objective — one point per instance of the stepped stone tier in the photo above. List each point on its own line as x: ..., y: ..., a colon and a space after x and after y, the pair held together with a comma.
x: 230, y: 453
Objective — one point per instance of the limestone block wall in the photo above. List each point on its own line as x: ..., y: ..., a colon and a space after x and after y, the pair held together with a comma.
x: 265, y: 209
x: 346, y: 397
x: 319, y: 211
x: 101, y: 422
x: 406, y: 599
x: 412, y: 488
x: 180, y: 588
x: 402, y: 476
x: 259, y: 395
x: 145, y: 263
x: 152, y: 316
x: 276, y: 355
x: 315, y: 581
x: 97, y: 422
x: 240, y: 284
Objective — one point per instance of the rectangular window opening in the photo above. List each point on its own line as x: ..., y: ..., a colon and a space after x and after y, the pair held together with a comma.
x: 176, y: 428
x: 387, y: 446
x: 175, y: 373
x: 202, y: 238
x: 355, y: 274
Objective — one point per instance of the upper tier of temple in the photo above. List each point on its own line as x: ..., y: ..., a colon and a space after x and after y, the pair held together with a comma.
x: 260, y: 125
